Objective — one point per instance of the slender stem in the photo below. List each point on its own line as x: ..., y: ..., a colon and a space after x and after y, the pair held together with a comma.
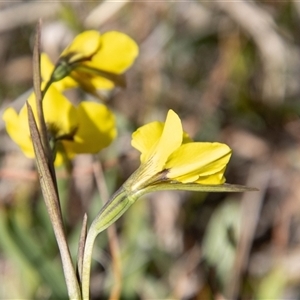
x: 47, y: 86
x: 116, y: 262
x: 81, y: 245
x: 112, y: 234
x: 110, y: 212
x: 86, y: 266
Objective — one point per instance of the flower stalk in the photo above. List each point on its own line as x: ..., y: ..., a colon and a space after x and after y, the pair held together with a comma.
x: 110, y: 212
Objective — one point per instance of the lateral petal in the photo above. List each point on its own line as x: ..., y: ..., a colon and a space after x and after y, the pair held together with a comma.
x: 194, y: 160
x: 97, y: 128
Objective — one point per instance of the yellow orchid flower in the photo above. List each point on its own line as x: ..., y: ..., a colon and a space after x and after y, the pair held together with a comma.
x: 170, y: 160
x: 92, y: 61
x: 87, y: 128
x: 169, y: 156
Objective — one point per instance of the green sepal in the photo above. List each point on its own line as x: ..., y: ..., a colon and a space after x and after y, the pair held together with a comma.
x: 114, y: 209
x: 178, y: 186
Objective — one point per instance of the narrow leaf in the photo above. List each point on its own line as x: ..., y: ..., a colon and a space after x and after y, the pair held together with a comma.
x: 178, y: 186
x: 39, y: 101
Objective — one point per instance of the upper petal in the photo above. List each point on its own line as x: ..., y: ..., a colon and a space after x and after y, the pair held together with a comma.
x: 96, y: 130
x: 169, y: 140
x: 83, y: 46
x: 146, y: 137
x: 194, y: 160
x: 116, y: 53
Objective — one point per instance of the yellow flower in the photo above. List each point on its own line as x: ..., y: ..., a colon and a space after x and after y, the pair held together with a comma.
x: 169, y: 155
x: 87, y: 128
x: 93, y: 61
x: 170, y: 160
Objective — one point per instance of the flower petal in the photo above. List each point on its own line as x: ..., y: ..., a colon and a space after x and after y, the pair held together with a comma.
x: 83, y: 46
x: 116, y: 53
x: 47, y: 66
x: 96, y: 130
x: 90, y: 82
x: 60, y: 115
x: 18, y: 129
x: 217, y: 178
x: 146, y: 137
x: 169, y: 141
x: 213, y: 179
x: 195, y: 160
x: 161, y: 145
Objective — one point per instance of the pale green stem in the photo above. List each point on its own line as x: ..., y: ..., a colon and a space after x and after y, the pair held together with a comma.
x: 86, y: 265
x: 112, y: 235
x: 109, y: 213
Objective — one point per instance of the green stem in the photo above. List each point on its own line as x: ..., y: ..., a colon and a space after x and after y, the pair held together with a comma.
x: 110, y: 212
x: 47, y: 86
x: 86, y: 265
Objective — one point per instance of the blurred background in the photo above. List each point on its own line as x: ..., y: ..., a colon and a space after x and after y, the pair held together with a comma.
x: 231, y: 71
